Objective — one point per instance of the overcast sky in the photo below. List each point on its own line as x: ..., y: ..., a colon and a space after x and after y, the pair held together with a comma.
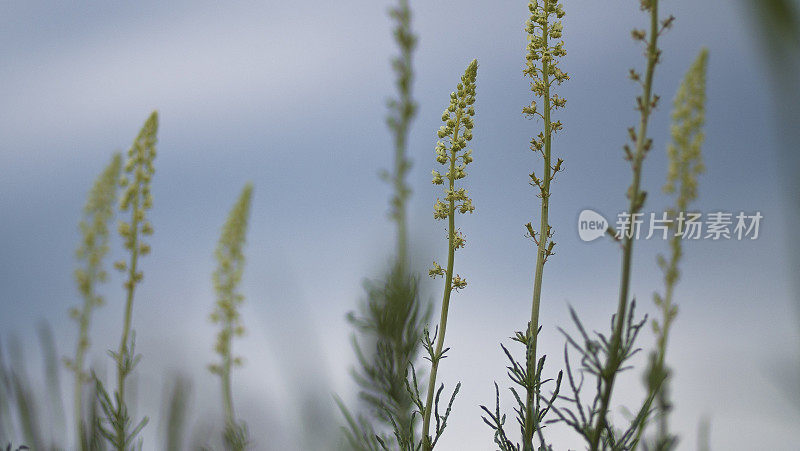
x: 291, y: 96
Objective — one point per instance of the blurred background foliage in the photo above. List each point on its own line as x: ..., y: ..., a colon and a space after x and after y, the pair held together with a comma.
x: 777, y: 28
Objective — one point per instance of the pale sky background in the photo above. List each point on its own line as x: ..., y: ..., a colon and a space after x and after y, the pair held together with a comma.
x: 291, y: 96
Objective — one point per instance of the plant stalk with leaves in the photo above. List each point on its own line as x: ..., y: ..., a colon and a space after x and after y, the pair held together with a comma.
x: 457, y: 129
x: 604, y: 356
x: 542, y: 68
x: 685, y: 164
x: 98, y: 212
x: 544, y: 28
x: 392, y: 318
x: 136, y: 199
x: 646, y: 103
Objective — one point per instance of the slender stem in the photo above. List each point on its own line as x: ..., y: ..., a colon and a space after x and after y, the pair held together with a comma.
x: 531, y: 414
x: 448, y: 288
x: 400, y: 188
x: 405, y: 111
x: 122, y: 353
x: 614, y: 359
x: 80, y: 353
x: 662, y: 353
x: 227, y: 363
x: 402, y: 234
x: 657, y: 392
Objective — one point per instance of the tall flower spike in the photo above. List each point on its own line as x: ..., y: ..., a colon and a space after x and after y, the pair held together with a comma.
x: 230, y: 266
x: 402, y: 111
x: 453, y: 138
x: 98, y: 212
x: 545, y: 48
x: 136, y: 199
x: 451, y: 151
x: 688, y: 117
x: 621, y: 339
x: 390, y: 321
x: 685, y: 164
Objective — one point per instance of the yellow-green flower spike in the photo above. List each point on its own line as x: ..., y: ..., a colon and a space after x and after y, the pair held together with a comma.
x: 136, y: 199
x: 226, y: 278
x: 688, y: 117
x: 544, y: 50
x: 451, y: 151
x: 685, y: 164
x: 453, y: 136
x: 97, y: 214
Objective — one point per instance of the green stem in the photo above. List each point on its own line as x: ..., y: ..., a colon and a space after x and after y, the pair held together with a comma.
x: 227, y: 395
x: 531, y: 413
x: 122, y: 353
x: 657, y: 391
x: 614, y: 359
x: 448, y: 288
x: 80, y: 353
x: 402, y: 236
x: 400, y: 188
x: 662, y: 353
x: 405, y: 114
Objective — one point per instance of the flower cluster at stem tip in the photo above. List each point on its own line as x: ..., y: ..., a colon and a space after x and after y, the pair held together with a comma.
x: 459, y: 113
x: 688, y: 117
x: 136, y: 195
x: 98, y: 211
x: 542, y: 59
x: 227, y: 276
x: 451, y: 152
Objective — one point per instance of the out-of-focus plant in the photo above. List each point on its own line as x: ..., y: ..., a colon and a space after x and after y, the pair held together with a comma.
x: 685, y: 164
x: 393, y: 322
x: 32, y: 414
x: 118, y: 427
x: 604, y: 357
x: 98, y: 212
x: 176, y: 412
x: 390, y: 321
x: 228, y: 275
x: 402, y: 112
x: 777, y: 27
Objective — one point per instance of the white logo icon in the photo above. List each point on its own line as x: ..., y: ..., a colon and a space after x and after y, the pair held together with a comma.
x: 591, y: 225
